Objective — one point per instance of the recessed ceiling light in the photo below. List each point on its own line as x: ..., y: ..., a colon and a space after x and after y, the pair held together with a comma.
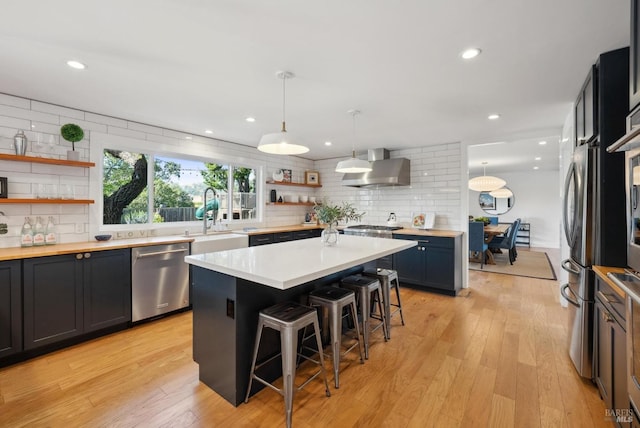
x: 537, y: 158
x: 493, y: 116
x: 33, y: 126
x: 327, y: 143
x: 187, y: 138
x: 76, y: 64
x: 536, y: 167
x: 208, y: 131
x: 250, y: 119
x: 470, y: 53
x: 542, y: 143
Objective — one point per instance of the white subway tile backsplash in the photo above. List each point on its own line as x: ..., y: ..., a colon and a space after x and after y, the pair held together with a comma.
x: 14, y: 123
x: 20, y: 113
x: 56, y: 110
x: 114, y: 130
x: 105, y: 120
x: 85, y: 125
x: 135, y: 126
x: 10, y: 100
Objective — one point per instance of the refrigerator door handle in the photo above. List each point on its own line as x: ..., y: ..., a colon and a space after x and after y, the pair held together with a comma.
x: 571, y: 300
x: 565, y: 211
x: 568, y: 266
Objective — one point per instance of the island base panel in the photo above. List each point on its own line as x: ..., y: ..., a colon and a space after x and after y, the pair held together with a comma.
x: 225, y: 319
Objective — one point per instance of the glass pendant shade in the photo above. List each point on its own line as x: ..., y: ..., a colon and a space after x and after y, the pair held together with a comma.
x: 503, y: 192
x: 353, y: 165
x: 281, y: 143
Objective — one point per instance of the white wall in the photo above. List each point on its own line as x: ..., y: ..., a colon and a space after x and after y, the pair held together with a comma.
x: 75, y: 222
x: 436, y: 172
x: 537, y: 202
x: 435, y: 187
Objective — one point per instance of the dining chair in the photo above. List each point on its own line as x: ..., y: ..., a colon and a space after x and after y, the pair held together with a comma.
x: 476, y: 240
x: 508, y: 242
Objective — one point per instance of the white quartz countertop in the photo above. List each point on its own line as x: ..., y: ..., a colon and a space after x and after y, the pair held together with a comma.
x: 287, y: 264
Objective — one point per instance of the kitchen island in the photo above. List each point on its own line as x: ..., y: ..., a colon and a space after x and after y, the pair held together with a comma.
x: 231, y: 287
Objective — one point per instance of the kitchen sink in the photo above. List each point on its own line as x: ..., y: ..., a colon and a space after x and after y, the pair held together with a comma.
x: 218, y: 241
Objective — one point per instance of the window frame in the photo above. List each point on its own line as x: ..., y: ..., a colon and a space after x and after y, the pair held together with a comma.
x: 194, y: 152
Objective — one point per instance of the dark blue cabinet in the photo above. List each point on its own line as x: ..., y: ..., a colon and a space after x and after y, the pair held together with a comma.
x: 434, y: 264
x: 69, y: 295
x: 271, y: 238
x: 107, y: 289
x: 52, y: 300
x: 10, y: 308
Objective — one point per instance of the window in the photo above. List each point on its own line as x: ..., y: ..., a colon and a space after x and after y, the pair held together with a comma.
x: 176, y: 191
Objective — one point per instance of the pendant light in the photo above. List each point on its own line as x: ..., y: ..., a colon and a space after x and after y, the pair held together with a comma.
x: 353, y: 164
x: 281, y: 143
x: 486, y: 183
x: 502, y: 192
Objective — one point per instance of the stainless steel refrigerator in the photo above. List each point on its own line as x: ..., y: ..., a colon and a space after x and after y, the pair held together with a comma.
x: 594, y: 213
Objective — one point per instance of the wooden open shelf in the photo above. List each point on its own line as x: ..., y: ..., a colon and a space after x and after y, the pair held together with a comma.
x: 49, y: 161
x: 45, y: 201
x: 286, y: 183
x: 291, y: 203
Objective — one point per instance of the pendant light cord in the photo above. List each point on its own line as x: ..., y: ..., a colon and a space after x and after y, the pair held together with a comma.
x: 284, y: 80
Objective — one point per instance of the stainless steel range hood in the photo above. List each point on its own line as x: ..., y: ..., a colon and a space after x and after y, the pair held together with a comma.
x: 385, y: 172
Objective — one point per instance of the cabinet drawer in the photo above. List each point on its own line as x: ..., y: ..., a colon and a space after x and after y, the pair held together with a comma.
x: 429, y: 241
x: 283, y: 237
x: 260, y: 239
x: 611, y: 300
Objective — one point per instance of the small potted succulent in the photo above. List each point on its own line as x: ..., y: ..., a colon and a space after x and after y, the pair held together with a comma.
x: 72, y: 133
x: 330, y: 215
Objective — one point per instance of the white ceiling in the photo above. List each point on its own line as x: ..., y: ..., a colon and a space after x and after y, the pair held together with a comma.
x: 208, y: 64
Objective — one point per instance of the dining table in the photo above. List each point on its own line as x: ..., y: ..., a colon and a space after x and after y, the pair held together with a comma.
x: 490, y: 232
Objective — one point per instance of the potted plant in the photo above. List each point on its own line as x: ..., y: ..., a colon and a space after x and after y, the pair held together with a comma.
x: 72, y: 133
x: 330, y: 215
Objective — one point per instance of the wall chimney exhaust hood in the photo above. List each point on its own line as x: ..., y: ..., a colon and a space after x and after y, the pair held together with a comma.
x: 385, y: 171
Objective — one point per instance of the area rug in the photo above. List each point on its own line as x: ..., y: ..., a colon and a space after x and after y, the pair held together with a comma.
x: 533, y: 264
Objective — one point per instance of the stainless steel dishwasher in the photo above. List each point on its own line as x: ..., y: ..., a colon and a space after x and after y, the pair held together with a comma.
x: 159, y: 280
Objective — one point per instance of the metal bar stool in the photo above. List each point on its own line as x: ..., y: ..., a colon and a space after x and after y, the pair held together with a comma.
x: 364, y: 287
x: 333, y: 300
x: 288, y: 318
x: 388, y: 279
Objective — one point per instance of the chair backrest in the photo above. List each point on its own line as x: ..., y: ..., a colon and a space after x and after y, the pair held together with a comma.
x: 493, y: 220
x: 476, y: 236
x: 513, y: 233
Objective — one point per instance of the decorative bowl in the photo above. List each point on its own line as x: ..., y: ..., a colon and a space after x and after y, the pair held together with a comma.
x: 102, y: 237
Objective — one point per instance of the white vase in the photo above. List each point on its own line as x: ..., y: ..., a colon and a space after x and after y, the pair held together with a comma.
x: 73, y: 155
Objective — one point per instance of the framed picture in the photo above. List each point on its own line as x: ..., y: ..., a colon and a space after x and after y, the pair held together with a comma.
x: 3, y: 188
x: 286, y: 175
x: 417, y: 220
x: 423, y: 220
x: 312, y: 177
x: 486, y: 201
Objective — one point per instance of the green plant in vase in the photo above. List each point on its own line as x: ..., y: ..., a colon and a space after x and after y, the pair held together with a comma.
x: 331, y: 214
x: 72, y: 133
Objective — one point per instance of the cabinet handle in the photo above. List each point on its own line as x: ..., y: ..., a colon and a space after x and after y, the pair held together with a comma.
x: 79, y: 256
x: 604, y: 297
x: 606, y: 316
x: 87, y: 255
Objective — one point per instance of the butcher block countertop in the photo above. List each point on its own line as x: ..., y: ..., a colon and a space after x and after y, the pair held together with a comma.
x: 602, y: 272
x: 16, y: 253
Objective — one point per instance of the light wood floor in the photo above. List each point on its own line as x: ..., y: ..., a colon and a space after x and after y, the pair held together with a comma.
x: 495, y: 356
